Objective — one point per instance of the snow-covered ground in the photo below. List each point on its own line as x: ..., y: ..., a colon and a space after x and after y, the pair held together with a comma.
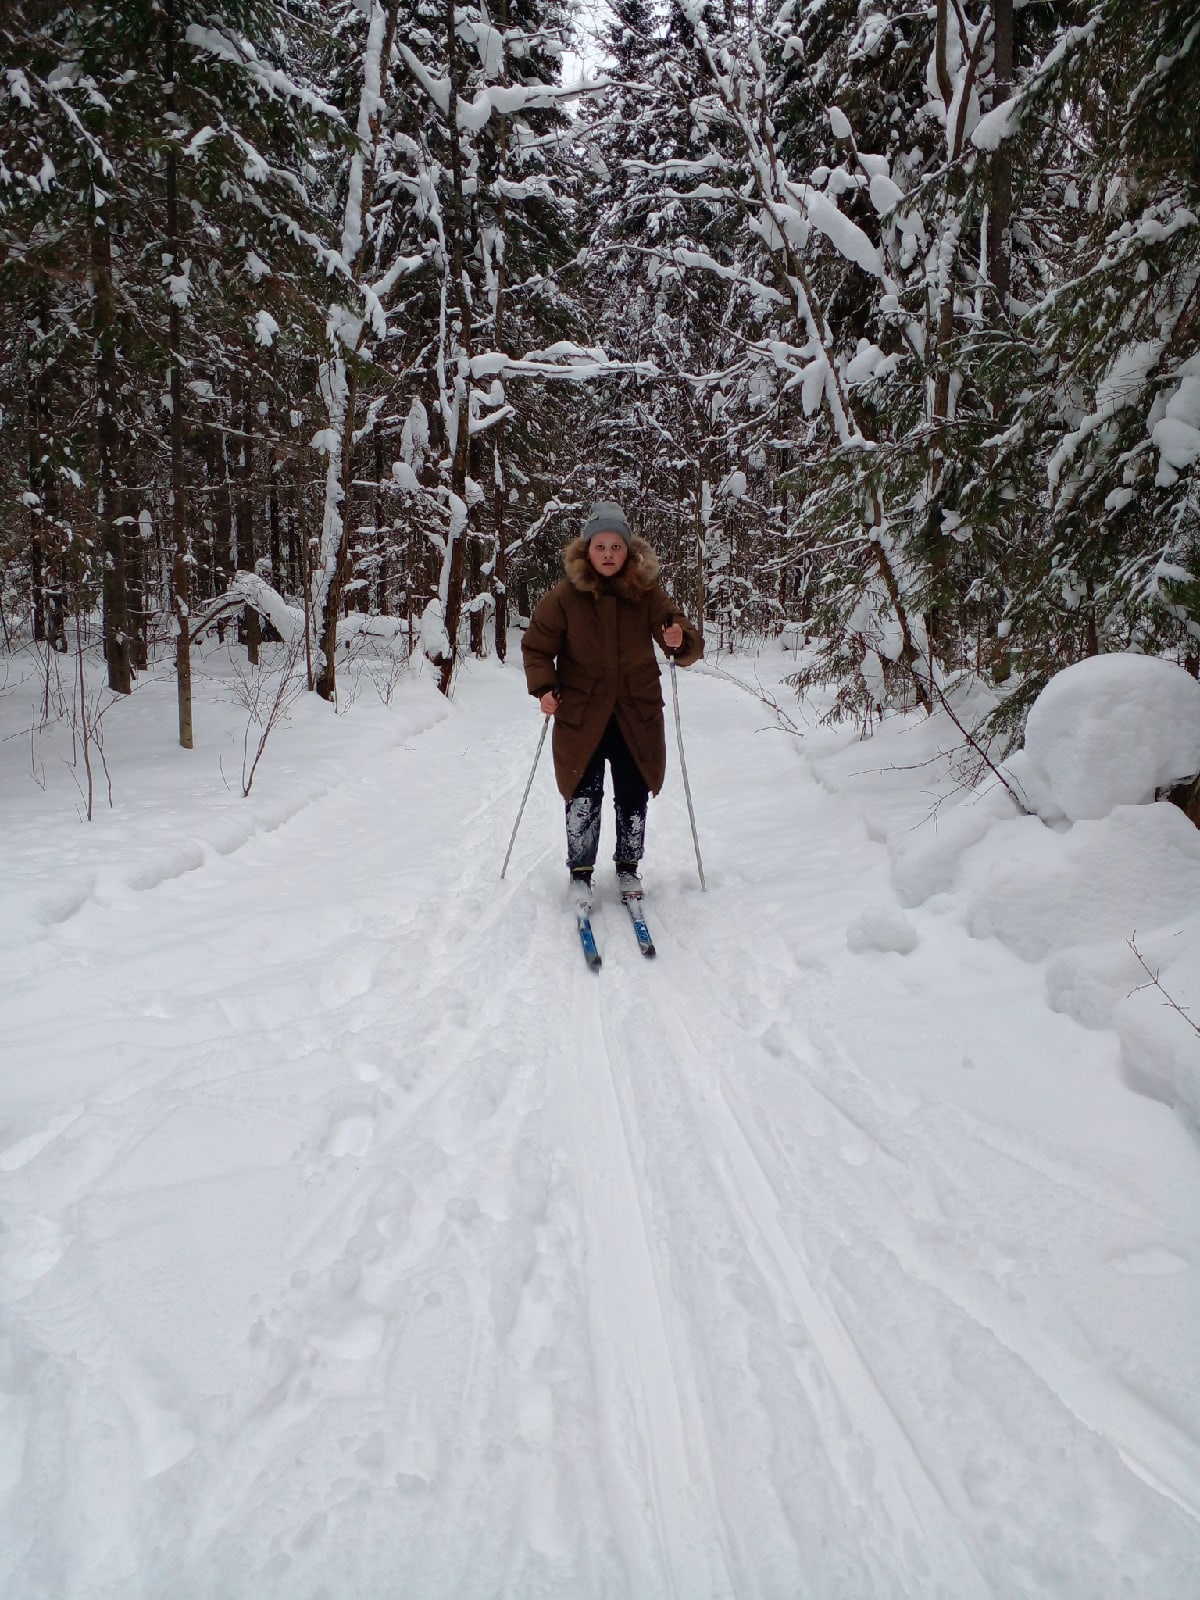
x: 357, y: 1241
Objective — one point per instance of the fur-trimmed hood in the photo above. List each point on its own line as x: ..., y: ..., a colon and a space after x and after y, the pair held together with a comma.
x: 635, y: 579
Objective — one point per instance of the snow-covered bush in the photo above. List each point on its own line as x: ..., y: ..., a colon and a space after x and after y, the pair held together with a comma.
x: 1112, y: 730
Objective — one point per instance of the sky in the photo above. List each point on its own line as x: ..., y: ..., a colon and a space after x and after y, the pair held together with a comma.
x: 585, y: 60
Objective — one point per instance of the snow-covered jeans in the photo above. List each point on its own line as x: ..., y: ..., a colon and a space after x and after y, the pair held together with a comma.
x: 630, y: 797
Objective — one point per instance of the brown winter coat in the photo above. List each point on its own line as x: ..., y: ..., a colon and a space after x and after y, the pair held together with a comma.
x: 592, y: 639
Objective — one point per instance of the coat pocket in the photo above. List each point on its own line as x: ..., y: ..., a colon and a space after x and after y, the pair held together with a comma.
x: 643, y: 692
x: 571, y: 708
x: 577, y: 689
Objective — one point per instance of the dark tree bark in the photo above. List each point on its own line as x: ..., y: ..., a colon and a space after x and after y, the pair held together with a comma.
x: 115, y: 588
x: 274, y: 524
x: 462, y: 380
x: 251, y: 629
x: 1000, y: 212
x: 326, y: 684
x: 500, y: 567
x: 499, y: 558
x: 181, y: 576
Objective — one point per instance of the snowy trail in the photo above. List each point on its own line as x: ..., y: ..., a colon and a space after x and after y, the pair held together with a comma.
x: 359, y: 1241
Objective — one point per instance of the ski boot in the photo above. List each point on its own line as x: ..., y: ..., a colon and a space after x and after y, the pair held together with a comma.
x: 629, y: 884
x: 581, y: 891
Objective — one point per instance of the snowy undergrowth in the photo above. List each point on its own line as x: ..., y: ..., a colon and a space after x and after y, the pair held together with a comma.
x: 172, y: 809
x: 1106, y: 904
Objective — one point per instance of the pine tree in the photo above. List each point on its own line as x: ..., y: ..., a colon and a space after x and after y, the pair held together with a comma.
x: 175, y: 152
x: 485, y: 204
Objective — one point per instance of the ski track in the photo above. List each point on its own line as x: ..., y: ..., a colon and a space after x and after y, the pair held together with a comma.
x: 405, y: 1256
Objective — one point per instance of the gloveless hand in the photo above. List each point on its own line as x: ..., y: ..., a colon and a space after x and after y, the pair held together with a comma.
x: 672, y: 636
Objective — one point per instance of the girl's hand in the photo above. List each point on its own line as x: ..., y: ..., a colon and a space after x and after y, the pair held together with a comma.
x: 549, y: 702
x: 673, y: 636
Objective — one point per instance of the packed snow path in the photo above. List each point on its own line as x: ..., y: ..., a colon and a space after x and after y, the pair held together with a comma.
x: 360, y: 1242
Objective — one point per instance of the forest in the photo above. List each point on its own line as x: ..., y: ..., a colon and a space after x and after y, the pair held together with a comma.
x: 324, y: 322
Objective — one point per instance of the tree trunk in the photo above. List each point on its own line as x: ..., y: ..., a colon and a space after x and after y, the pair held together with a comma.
x: 115, y: 589
x: 181, y: 576
x: 499, y: 558
x: 340, y: 379
x: 137, y: 556
x: 224, y: 526
x: 49, y: 618
x: 500, y: 566
x: 326, y: 684
x: 251, y: 627
x: 475, y: 570
x: 382, y: 600
x: 37, y: 513
x: 701, y: 538
x: 941, y: 43
x: 461, y: 410
x: 1000, y: 208
x: 274, y: 530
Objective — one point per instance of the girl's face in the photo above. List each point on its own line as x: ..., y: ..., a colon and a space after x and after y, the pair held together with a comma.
x: 607, y: 552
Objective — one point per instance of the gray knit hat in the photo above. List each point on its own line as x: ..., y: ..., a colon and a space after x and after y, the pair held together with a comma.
x: 606, y: 516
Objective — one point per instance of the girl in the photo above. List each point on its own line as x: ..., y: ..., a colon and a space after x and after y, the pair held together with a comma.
x: 590, y: 662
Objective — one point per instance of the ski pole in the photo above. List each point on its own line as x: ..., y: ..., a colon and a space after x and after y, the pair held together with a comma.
x: 687, y: 788
x: 525, y: 796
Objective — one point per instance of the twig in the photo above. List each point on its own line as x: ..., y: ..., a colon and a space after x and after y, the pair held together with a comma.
x: 1019, y: 799
x: 285, y: 692
x: 760, y: 694
x: 1155, y: 984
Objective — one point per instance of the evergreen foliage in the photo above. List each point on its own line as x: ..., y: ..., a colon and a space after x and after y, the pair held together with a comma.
x: 882, y: 323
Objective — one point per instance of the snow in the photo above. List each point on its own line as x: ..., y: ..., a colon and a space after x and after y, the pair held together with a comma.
x: 1123, y: 385
x: 865, y: 362
x: 882, y: 928
x: 359, y: 1241
x: 885, y: 193
x: 435, y: 641
x: 266, y: 329
x: 1177, y: 433
x: 239, y: 52
x: 844, y: 235
x: 1111, y: 731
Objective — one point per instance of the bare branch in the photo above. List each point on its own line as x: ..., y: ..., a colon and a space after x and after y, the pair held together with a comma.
x: 1155, y: 984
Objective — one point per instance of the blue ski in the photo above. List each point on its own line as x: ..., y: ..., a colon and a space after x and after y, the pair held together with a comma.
x: 633, y: 904
x: 588, y: 940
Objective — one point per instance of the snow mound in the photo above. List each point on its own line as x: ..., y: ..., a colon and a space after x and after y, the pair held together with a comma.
x: 1112, y: 731
x: 1040, y: 892
x: 926, y: 859
x: 881, y: 928
x: 1106, y: 907
x: 1156, y: 1021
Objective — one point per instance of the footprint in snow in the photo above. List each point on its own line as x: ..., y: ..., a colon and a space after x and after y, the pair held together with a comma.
x: 350, y: 1133
x: 21, y: 1153
x: 356, y: 1340
x: 33, y: 1246
x: 1154, y: 1262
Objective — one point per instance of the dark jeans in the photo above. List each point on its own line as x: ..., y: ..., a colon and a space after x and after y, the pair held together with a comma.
x: 630, y: 797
